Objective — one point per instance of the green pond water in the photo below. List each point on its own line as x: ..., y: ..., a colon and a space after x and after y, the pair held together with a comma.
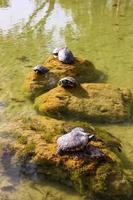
x: 101, y: 31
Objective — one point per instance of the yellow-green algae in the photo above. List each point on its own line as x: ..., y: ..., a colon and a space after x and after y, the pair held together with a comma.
x: 36, y: 84
x: 91, y: 178
x: 83, y: 70
x: 91, y: 101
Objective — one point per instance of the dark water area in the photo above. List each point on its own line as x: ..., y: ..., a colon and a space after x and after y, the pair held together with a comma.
x: 100, y: 31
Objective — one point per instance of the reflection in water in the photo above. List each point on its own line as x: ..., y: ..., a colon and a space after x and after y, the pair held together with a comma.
x: 56, y: 23
x: 101, y: 31
x: 51, y: 18
x: 18, y: 12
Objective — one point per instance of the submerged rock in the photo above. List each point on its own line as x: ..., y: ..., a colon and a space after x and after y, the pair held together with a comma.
x: 93, y: 102
x: 93, y: 177
x: 82, y: 70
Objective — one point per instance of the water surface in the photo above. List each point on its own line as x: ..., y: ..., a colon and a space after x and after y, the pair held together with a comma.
x: 101, y: 31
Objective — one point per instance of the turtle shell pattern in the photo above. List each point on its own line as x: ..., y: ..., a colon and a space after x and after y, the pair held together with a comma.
x: 40, y: 69
x: 68, y: 82
x: 77, y: 138
x: 65, y: 56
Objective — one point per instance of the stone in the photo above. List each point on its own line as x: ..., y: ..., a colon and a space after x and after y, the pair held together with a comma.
x: 90, y: 101
x: 36, y: 84
x: 93, y: 177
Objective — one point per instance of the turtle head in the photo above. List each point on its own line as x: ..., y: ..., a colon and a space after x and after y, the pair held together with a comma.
x: 91, y: 137
x: 63, y: 82
x: 55, y: 52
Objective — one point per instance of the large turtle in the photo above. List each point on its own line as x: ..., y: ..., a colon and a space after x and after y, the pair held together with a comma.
x: 40, y: 69
x: 68, y: 82
x: 64, y: 55
x: 75, y: 140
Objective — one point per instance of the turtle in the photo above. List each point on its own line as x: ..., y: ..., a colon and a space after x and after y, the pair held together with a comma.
x: 40, y: 69
x: 68, y: 82
x: 75, y: 140
x: 65, y: 56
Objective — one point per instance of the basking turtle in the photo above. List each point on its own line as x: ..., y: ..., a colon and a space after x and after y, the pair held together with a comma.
x: 40, y: 69
x: 68, y: 82
x: 75, y: 140
x: 65, y: 56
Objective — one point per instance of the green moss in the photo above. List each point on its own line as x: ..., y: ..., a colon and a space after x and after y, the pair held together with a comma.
x: 100, y: 182
x: 36, y: 84
x: 86, y: 103
x: 51, y: 133
x: 92, y: 178
x: 83, y: 70
x: 30, y: 147
x: 22, y: 139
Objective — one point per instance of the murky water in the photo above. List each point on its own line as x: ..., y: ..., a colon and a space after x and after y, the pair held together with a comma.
x: 101, y: 31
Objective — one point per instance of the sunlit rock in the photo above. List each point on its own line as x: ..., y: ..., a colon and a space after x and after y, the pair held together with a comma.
x: 37, y: 84
x: 93, y: 102
x: 82, y: 70
x: 93, y: 178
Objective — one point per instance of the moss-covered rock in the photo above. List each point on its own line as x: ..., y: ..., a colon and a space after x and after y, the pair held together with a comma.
x: 82, y: 70
x: 36, y: 84
x: 94, y: 102
x: 93, y: 178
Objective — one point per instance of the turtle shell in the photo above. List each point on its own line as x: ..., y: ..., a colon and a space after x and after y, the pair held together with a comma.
x: 65, y: 56
x: 40, y: 69
x: 75, y: 140
x: 68, y: 82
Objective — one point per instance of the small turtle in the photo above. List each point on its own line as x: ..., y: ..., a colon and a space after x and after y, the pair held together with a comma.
x: 55, y: 52
x: 75, y: 140
x: 65, y: 56
x: 40, y: 69
x: 68, y: 82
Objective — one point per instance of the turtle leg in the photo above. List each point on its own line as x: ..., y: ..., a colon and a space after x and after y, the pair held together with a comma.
x: 59, y: 152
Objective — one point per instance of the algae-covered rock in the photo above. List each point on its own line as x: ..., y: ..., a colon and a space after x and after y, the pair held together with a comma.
x: 37, y: 84
x: 93, y: 178
x: 94, y: 102
x: 82, y: 70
